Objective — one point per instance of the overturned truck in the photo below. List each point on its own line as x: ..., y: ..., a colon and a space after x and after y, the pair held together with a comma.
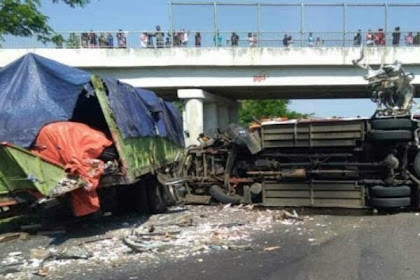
x: 74, y: 138
x: 349, y: 163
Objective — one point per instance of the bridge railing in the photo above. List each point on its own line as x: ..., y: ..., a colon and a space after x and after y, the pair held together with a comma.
x: 208, y: 39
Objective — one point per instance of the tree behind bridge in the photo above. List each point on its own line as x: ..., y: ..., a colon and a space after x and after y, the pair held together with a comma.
x: 255, y: 110
x: 23, y: 18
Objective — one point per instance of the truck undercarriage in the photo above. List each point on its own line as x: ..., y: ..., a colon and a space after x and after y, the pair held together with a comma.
x: 351, y: 163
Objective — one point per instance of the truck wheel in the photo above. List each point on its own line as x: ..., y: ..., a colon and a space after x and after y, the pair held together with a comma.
x: 391, y: 124
x: 167, y: 195
x: 391, y: 135
x: 220, y: 195
x: 416, y: 164
x: 155, y: 198
x: 380, y: 191
x: 395, y: 202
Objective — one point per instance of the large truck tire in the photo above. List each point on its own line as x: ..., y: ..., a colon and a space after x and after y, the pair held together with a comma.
x: 391, y: 135
x: 395, y: 202
x: 167, y: 195
x: 416, y: 164
x: 155, y: 199
x: 220, y: 195
x: 381, y: 191
x: 391, y: 124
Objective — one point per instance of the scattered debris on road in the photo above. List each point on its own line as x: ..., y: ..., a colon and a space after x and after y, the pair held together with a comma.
x: 271, y: 248
x: 180, y: 233
x: 13, y: 236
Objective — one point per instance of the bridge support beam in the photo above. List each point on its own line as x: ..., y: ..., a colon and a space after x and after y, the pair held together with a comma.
x: 205, y: 112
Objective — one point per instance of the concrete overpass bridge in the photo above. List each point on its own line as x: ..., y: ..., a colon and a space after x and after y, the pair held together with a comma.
x: 235, y: 73
x: 211, y: 80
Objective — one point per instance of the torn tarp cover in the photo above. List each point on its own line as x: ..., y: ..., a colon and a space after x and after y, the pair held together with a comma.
x: 165, y: 115
x: 176, y: 122
x: 131, y: 113
x: 150, y: 99
x: 35, y: 91
x: 140, y: 113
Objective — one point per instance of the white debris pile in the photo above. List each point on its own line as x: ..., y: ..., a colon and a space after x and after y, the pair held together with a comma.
x: 200, y: 229
x: 179, y: 233
x: 188, y: 231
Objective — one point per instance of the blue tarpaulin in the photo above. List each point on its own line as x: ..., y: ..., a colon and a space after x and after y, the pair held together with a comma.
x: 166, y: 116
x: 131, y: 113
x: 150, y: 99
x: 35, y: 91
x: 142, y: 113
x: 175, y: 121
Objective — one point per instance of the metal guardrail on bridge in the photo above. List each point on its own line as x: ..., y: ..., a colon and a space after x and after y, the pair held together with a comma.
x: 209, y: 39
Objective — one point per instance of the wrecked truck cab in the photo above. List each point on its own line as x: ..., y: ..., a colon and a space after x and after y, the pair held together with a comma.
x: 140, y: 142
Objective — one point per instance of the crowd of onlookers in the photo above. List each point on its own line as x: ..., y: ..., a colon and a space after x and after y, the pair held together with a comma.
x: 178, y: 38
x: 160, y: 39
x: 92, y: 40
x: 379, y: 38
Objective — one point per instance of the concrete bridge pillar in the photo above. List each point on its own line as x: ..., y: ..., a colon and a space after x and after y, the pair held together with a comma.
x: 193, y: 120
x: 205, y: 112
x: 223, y: 116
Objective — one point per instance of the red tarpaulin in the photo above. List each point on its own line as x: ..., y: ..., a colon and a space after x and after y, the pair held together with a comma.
x: 76, y: 146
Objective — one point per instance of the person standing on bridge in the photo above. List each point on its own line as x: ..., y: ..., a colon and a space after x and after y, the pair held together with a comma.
x: 396, y: 35
x: 109, y: 40
x: 380, y: 37
x: 159, y: 37
x: 143, y: 40
x: 234, y: 39
x: 252, y: 39
x: 197, y: 39
x: 285, y: 41
x: 310, y: 40
x: 369, y: 39
x: 409, y: 39
x: 122, y: 40
x: 102, y: 41
x: 184, y: 37
x: 93, y: 39
x: 85, y: 40
x: 217, y: 39
x: 357, y: 40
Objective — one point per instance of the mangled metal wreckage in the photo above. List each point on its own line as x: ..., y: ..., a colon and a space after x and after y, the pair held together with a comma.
x: 66, y: 135
x: 349, y: 163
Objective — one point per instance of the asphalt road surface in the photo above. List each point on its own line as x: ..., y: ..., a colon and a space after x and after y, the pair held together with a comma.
x: 324, y: 247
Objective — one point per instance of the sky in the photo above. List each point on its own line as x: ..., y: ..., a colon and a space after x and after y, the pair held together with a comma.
x: 143, y: 15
